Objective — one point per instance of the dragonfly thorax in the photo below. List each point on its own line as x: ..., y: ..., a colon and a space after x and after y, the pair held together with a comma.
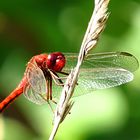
x: 41, y: 60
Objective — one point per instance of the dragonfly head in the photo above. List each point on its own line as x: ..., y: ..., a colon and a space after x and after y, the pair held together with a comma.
x: 56, y: 61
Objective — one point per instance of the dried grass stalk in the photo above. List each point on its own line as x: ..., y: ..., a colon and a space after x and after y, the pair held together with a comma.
x: 95, y: 27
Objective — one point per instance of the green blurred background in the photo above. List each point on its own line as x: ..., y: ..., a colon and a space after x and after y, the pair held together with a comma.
x: 29, y: 27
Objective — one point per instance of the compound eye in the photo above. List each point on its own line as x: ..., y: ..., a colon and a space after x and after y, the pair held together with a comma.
x: 56, y: 61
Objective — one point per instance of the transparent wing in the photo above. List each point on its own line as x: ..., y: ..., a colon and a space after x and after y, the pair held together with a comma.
x: 101, y: 78
x: 102, y: 70
x: 36, y: 78
x: 98, y: 78
x: 36, y: 88
x: 113, y: 60
x: 34, y: 96
x: 103, y: 60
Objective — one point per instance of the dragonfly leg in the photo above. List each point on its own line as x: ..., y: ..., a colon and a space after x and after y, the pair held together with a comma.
x: 53, y: 100
x: 64, y: 73
x: 47, y: 93
x: 58, y: 84
x: 50, y: 88
x: 50, y: 106
x: 55, y: 77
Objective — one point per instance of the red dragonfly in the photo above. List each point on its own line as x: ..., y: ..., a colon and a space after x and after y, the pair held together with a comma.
x: 45, y: 75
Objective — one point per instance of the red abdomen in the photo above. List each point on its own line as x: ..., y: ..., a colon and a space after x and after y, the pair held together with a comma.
x: 18, y: 91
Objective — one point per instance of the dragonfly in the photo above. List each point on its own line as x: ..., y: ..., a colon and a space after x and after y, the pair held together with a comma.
x: 45, y: 75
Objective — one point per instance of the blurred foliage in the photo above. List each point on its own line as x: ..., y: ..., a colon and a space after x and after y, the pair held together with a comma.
x: 29, y: 27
